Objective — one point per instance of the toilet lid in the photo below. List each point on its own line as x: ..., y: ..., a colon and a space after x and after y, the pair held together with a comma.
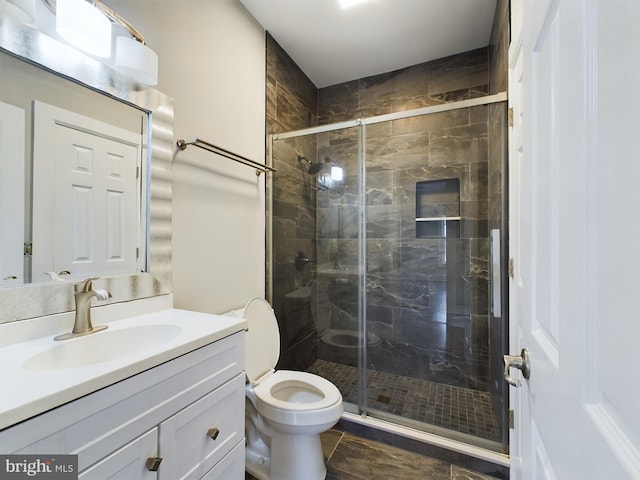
x: 262, y: 342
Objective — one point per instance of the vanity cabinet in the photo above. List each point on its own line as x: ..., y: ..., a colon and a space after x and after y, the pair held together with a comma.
x: 188, y: 412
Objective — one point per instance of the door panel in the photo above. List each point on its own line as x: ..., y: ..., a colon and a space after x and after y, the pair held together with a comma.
x: 574, y: 176
x: 92, y: 209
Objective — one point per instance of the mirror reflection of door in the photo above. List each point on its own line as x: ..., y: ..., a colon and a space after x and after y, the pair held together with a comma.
x: 12, y: 133
x: 86, y: 196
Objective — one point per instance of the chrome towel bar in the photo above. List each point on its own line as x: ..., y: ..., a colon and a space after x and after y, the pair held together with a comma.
x: 183, y: 144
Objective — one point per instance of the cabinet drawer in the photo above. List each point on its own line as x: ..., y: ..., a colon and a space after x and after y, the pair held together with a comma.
x: 186, y: 439
x: 231, y: 466
x: 127, y: 463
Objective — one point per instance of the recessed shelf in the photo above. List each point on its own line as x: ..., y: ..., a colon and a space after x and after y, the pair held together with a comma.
x: 438, y: 208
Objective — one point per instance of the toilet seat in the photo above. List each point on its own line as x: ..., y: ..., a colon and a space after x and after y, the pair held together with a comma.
x: 262, y: 341
x: 324, y: 403
x: 312, y: 393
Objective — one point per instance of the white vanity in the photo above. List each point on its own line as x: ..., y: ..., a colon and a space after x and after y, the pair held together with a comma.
x: 161, y: 395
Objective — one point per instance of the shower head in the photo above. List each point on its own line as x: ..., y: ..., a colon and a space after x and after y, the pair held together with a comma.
x: 311, y: 168
x: 314, y: 168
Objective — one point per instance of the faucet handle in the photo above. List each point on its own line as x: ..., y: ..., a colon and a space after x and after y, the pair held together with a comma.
x: 85, y: 285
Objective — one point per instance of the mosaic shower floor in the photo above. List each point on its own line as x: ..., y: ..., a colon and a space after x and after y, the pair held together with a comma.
x: 454, y: 408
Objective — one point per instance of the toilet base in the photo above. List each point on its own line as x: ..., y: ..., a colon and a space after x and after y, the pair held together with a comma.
x: 256, y: 466
x: 293, y: 457
x: 297, y: 456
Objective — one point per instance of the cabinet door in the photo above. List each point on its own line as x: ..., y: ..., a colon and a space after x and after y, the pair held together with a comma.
x: 127, y: 463
x: 231, y: 466
x: 194, y: 440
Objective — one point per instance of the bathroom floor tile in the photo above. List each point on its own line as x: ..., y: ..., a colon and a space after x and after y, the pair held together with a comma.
x: 330, y: 440
x: 350, y: 457
x: 367, y: 460
x: 455, y: 408
x: 459, y: 473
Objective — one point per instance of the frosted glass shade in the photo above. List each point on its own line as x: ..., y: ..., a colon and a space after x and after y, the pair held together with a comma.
x: 84, y: 26
x: 23, y: 11
x: 136, y: 61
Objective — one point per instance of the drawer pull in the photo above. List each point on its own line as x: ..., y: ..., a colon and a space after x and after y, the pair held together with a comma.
x: 153, y: 463
x: 213, y: 433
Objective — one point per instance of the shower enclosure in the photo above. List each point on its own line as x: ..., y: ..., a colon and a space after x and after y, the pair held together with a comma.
x: 386, y: 247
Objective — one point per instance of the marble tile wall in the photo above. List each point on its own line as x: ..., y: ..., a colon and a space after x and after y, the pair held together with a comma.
x: 499, y: 48
x: 449, y: 79
x: 292, y: 99
x: 427, y: 297
x: 292, y: 105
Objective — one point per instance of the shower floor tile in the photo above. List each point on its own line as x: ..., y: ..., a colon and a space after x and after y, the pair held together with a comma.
x: 454, y: 408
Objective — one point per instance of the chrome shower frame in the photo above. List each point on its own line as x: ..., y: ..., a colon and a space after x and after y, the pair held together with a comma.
x: 361, y: 416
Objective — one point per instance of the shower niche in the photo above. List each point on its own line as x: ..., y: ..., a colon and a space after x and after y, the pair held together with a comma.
x: 438, y: 208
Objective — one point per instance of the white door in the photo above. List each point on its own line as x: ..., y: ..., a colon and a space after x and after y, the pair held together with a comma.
x: 12, y: 182
x: 575, y: 238
x: 86, y: 203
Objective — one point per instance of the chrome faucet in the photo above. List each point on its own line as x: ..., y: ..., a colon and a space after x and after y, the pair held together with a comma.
x: 83, y: 293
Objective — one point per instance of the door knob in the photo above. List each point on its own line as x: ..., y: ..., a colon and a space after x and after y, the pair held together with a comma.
x: 520, y: 362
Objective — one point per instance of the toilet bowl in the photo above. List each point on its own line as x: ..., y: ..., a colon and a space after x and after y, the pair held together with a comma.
x: 285, y: 410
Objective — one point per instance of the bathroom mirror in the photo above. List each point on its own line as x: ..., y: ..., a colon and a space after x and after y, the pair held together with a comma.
x: 92, y: 90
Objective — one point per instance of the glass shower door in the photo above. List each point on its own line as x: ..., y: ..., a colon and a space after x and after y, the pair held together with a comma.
x: 315, y: 272
x: 380, y: 266
x: 427, y: 281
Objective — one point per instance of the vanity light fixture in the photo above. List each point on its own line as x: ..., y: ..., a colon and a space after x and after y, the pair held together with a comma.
x: 84, y: 26
x: 132, y: 56
x: 23, y: 11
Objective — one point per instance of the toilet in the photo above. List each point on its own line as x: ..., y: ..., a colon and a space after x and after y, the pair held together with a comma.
x: 285, y: 410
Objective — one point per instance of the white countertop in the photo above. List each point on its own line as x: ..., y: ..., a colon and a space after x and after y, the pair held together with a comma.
x: 25, y: 392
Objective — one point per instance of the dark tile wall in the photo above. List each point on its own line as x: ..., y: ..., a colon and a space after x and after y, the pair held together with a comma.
x: 292, y: 99
x: 449, y: 79
x: 292, y: 105
x: 499, y: 49
x: 427, y: 297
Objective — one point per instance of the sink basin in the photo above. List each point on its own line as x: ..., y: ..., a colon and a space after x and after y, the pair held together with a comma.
x: 101, y: 347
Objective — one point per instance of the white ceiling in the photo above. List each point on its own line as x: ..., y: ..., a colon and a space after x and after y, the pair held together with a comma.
x: 334, y: 45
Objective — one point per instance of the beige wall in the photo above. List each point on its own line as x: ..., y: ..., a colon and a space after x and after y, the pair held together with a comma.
x: 212, y: 62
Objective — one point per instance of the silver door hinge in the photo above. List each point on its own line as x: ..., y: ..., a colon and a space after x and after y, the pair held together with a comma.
x: 510, y: 117
x: 511, y: 420
x: 28, y: 249
x: 512, y: 268
x: 137, y: 252
x: 137, y: 172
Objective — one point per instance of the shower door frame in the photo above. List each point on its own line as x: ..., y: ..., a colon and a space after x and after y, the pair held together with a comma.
x: 363, y: 417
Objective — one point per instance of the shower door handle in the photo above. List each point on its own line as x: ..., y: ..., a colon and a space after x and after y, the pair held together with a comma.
x: 520, y: 362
